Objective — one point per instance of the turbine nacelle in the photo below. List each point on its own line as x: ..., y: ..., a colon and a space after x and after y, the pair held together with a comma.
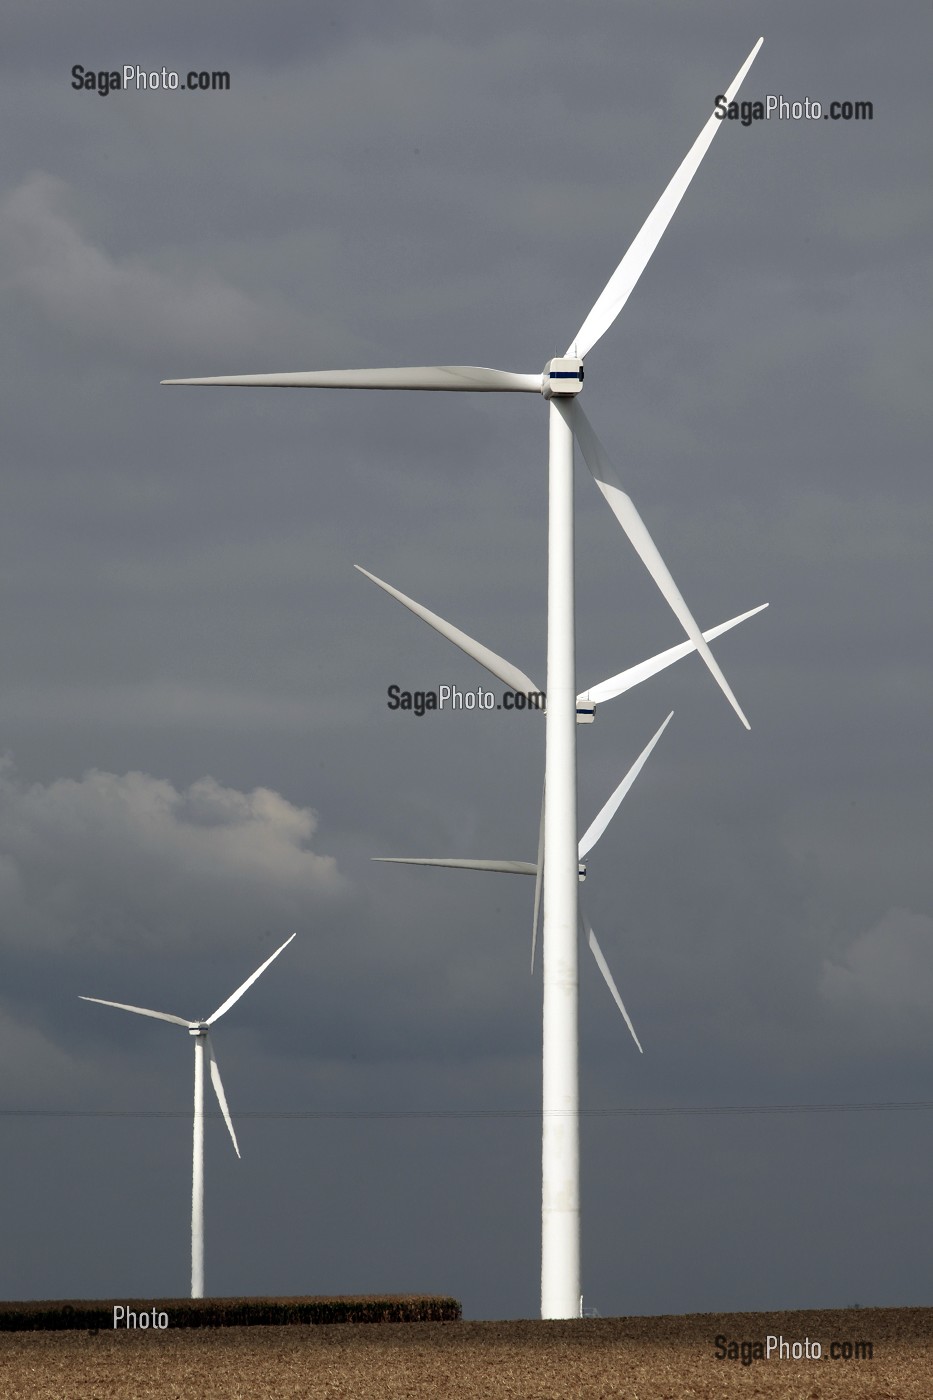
x: 562, y: 378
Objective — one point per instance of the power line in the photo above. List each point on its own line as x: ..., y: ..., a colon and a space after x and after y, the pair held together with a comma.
x: 706, y: 1110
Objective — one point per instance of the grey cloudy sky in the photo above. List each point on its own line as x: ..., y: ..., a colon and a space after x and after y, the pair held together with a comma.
x: 199, y: 756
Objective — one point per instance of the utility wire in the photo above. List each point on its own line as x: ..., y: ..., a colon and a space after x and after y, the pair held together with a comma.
x: 708, y: 1110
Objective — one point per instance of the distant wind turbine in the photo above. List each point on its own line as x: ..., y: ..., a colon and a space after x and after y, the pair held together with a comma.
x: 560, y: 384
x: 518, y: 681
x: 202, y: 1042
x: 526, y: 867
x: 587, y: 700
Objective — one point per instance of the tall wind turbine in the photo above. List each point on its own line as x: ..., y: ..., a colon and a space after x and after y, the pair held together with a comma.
x: 560, y: 384
x: 587, y: 701
x: 517, y: 680
x: 526, y: 867
x: 199, y: 1030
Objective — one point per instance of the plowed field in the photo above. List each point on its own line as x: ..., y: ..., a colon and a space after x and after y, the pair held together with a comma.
x: 655, y: 1358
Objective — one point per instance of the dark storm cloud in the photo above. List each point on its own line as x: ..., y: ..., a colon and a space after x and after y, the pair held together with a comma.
x: 95, y: 299
x: 408, y: 184
x: 888, y: 967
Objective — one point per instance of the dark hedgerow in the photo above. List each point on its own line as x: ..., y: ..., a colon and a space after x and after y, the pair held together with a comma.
x: 227, y: 1312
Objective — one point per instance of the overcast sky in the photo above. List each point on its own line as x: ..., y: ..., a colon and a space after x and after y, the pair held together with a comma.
x: 199, y: 757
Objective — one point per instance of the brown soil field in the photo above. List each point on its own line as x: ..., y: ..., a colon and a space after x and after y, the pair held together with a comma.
x: 639, y: 1358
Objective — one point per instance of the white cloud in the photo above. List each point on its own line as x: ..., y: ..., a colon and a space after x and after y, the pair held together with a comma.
x: 124, y: 304
x: 120, y: 861
x: 890, y: 966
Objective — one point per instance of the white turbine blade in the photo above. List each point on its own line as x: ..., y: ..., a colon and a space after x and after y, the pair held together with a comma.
x: 504, y: 670
x: 248, y: 983
x: 610, y: 983
x: 140, y: 1011
x: 221, y: 1096
x: 450, y: 377
x: 623, y: 508
x: 500, y: 867
x: 598, y: 825
x: 622, y: 282
x: 625, y: 680
x: 539, y: 878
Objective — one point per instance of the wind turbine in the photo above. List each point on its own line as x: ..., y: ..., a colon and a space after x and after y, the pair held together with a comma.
x: 587, y: 701
x: 559, y: 384
x: 524, y: 867
x: 199, y: 1030
x: 519, y: 682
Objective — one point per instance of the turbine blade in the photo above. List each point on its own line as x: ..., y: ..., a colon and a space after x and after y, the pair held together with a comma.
x: 539, y: 878
x: 504, y: 670
x: 450, y: 377
x: 598, y: 825
x: 221, y: 1096
x: 623, y: 508
x: 501, y: 867
x: 248, y: 983
x: 625, y: 680
x: 622, y: 282
x: 140, y: 1011
x: 610, y: 983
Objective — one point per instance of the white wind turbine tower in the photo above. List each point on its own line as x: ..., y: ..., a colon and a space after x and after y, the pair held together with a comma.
x: 199, y: 1030
x: 560, y: 383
